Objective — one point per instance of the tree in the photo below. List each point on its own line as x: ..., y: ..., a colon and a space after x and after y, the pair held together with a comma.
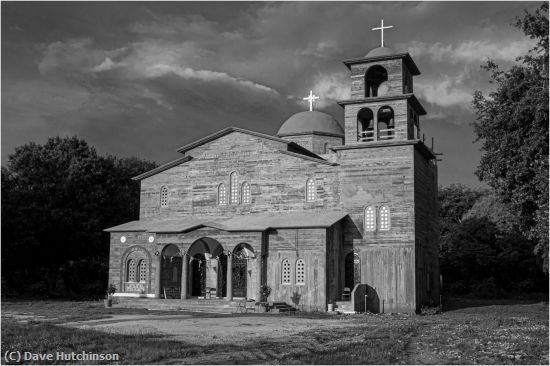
x: 57, y: 199
x: 512, y: 123
x: 479, y: 244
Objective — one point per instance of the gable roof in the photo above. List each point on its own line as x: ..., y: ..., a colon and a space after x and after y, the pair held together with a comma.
x: 163, y: 167
x: 251, y: 222
x: 294, y: 149
x: 228, y: 130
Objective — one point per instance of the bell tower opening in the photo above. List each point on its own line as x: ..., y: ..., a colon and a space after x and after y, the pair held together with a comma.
x: 386, y: 123
x: 365, y: 125
x: 374, y: 77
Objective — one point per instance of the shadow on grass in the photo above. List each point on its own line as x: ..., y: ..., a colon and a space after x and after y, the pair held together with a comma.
x: 457, y: 303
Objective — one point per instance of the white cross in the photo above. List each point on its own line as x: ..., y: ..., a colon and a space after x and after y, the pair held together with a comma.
x: 311, y: 98
x: 381, y: 28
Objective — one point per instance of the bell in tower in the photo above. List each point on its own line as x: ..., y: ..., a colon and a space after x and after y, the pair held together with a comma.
x: 382, y: 106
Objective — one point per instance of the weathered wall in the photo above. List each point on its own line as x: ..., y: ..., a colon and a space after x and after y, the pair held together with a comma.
x: 427, y: 230
x: 376, y: 176
x: 293, y: 244
x: 394, y: 83
x: 277, y: 180
x: 118, y: 256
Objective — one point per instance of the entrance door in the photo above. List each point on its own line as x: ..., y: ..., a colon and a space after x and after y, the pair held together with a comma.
x: 198, y: 275
x: 171, y: 275
x: 353, y: 270
x: 239, y: 275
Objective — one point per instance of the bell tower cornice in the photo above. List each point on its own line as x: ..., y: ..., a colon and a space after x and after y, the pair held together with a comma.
x: 407, y: 59
x: 413, y: 101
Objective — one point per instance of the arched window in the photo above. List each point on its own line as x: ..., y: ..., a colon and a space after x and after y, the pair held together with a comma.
x: 300, y: 272
x: 163, y: 196
x: 131, y: 271
x: 245, y: 192
x: 311, y: 189
x: 233, y: 189
x: 365, y: 125
x: 386, y: 123
x: 222, y: 195
x: 325, y: 148
x: 142, y: 267
x: 285, y: 273
x: 374, y: 77
x: 370, y: 219
x: 384, y: 218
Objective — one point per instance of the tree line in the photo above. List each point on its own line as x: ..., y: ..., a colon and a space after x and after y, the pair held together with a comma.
x: 56, y: 200
x: 58, y: 197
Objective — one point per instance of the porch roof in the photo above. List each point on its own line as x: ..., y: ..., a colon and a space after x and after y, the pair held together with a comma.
x: 251, y: 222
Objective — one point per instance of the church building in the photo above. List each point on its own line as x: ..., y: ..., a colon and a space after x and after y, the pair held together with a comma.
x: 319, y: 213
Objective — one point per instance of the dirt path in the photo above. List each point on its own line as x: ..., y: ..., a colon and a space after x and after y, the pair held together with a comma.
x: 210, y: 331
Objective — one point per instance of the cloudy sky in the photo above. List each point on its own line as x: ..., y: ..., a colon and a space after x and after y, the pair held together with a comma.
x: 143, y: 78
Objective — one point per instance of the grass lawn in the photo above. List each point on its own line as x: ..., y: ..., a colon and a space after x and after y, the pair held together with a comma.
x: 473, y: 333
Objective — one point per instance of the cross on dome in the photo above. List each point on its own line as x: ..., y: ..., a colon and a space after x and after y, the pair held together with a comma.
x: 381, y: 28
x: 311, y: 98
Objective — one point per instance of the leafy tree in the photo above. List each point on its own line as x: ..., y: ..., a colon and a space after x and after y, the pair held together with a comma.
x: 57, y: 199
x: 480, y: 242
x: 512, y: 123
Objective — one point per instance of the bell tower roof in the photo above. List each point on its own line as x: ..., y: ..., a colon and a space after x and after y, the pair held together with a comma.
x: 380, y: 51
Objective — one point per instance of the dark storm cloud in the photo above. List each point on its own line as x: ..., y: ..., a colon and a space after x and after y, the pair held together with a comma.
x: 143, y: 78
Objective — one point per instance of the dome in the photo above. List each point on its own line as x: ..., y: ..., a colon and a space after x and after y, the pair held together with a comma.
x: 309, y: 121
x: 380, y: 51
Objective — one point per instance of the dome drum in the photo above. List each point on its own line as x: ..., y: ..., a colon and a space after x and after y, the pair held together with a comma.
x: 311, y: 123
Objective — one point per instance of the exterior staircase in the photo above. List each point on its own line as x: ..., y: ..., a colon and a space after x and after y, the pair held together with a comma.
x: 198, y: 305
x: 281, y: 307
x: 344, y: 307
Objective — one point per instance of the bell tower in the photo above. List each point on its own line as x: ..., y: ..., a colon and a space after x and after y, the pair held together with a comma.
x: 388, y: 183
x: 382, y: 105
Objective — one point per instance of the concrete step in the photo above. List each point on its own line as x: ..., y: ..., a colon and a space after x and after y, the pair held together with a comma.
x: 340, y: 303
x: 219, y: 306
x: 281, y: 307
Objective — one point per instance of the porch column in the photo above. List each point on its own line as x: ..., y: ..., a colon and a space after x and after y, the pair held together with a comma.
x: 229, y: 290
x: 184, y: 262
x: 260, y: 279
x: 157, y: 276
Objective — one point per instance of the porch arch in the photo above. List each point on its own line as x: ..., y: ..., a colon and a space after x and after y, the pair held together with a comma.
x: 240, y: 271
x: 205, y: 269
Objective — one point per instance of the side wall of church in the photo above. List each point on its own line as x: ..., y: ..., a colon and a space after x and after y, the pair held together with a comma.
x: 427, y: 231
x: 377, y: 176
x: 277, y: 180
x: 293, y: 244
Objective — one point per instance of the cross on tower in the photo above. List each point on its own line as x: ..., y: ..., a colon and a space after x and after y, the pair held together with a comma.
x: 381, y: 28
x: 311, y: 98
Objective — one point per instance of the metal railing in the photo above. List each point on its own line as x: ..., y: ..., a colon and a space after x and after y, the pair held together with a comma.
x: 365, y: 136
x: 386, y: 134
x: 134, y: 286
